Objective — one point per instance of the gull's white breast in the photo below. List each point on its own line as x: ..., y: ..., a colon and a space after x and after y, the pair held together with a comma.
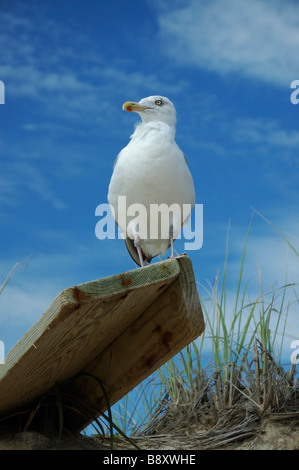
x: 151, y: 169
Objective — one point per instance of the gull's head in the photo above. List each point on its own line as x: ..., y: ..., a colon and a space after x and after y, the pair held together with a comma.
x: 153, y: 108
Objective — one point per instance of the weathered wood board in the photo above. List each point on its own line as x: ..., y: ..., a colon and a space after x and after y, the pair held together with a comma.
x: 119, y: 329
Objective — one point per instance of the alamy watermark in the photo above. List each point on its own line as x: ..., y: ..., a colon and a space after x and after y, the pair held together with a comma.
x: 294, y: 96
x: 2, y: 352
x: 135, y: 220
x: 2, y: 92
x: 295, y: 354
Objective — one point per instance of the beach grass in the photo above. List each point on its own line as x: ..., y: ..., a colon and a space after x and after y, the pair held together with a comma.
x: 232, y: 375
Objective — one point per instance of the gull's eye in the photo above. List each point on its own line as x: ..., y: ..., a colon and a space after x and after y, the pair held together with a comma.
x: 159, y: 102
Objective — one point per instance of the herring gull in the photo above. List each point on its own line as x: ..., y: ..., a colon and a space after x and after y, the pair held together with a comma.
x: 151, y: 172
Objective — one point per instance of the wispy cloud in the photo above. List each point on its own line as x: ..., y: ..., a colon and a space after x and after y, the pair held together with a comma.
x: 276, y: 147
x: 72, y: 74
x: 266, y: 132
x: 257, y: 39
x: 68, y: 90
x: 65, y: 262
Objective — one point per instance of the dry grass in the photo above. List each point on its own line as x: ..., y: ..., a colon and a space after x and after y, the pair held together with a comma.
x: 214, y: 412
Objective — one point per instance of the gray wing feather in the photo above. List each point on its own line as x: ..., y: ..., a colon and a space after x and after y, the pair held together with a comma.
x: 116, y: 160
x: 133, y: 252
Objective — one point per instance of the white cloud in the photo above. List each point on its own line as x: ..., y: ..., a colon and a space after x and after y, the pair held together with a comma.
x: 257, y: 38
x: 44, y: 275
x: 25, y: 175
x: 266, y: 250
x: 266, y: 132
x: 43, y: 60
x: 27, y: 305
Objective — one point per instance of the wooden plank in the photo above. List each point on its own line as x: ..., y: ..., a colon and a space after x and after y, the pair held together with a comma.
x: 119, y: 329
x: 80, y: 322
x: 169, y: 324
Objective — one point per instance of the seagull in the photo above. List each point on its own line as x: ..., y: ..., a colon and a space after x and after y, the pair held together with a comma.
x: 151, y: 172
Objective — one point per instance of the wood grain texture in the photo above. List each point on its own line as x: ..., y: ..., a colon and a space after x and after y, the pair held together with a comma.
x: 119, y: 329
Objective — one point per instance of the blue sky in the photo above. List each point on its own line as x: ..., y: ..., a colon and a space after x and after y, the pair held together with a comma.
x: 69, y: 66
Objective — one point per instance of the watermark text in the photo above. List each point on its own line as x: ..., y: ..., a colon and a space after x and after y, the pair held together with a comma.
x: 294, y: 96
x: 2, y: 352
x: 2, y: 92
x: 152, y: 222
x: 295, y: 354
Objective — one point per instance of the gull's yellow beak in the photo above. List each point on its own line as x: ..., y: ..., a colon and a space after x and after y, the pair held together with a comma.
x: 132, y: 106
